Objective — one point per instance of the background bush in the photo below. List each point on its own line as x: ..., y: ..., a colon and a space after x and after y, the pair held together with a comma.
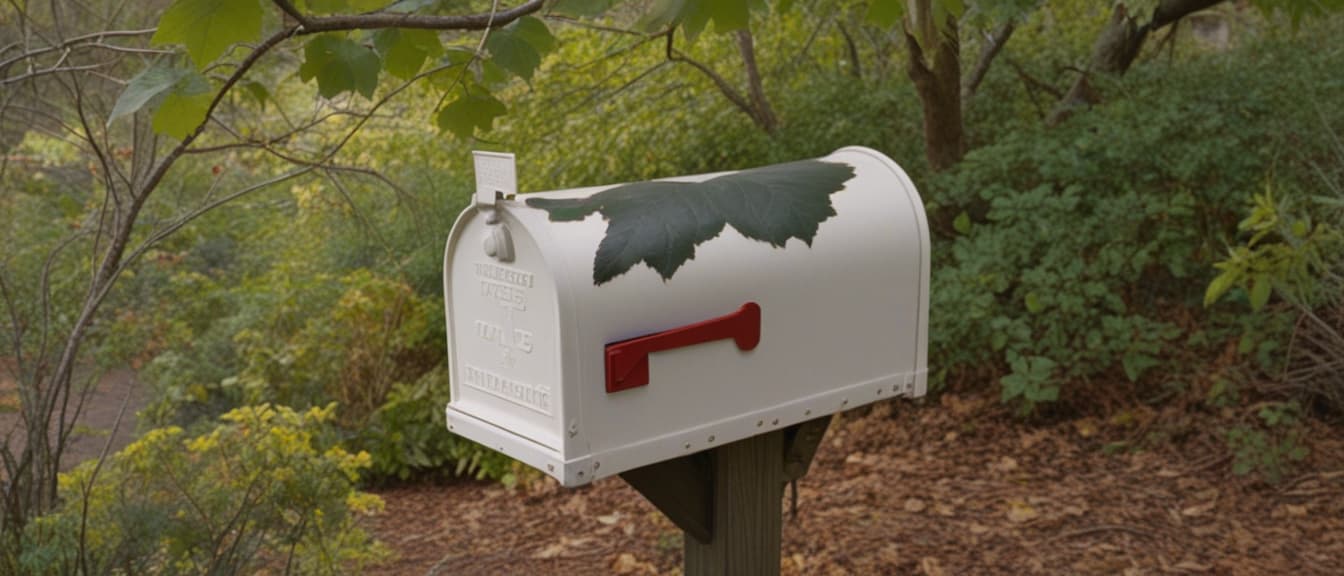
x: 267, y: 490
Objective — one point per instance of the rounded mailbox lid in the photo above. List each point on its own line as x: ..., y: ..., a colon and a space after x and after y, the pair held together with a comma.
x: 502, y: 322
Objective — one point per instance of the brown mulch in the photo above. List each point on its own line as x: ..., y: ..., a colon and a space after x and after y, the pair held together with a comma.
x: 954, y: 487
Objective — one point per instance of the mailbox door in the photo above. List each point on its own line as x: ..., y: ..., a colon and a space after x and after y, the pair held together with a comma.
x: 504, y: 349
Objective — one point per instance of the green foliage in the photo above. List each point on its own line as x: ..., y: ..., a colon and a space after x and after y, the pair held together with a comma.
x: 264, y: 490
x: 1031, y: 382
x: 520, y: 46
x: 407, y: 436
x: 1287, y: 252
x: 350, y: 350
x: 404, y: 51
x: 582, y: 7
x: 340, y: 65
x: 149, y: 83
x: 206, y: 28
x: 694, y: 15
x: 1294, y: 248
x: 472, y: 111
x: 1273, y: 448
x: 339, y: 62
x: 661, y: 223
x: 184, y: 107
x: 1081, y: 242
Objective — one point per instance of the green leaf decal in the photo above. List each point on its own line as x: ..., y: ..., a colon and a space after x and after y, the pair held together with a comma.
x: 661, y: 223
x: 340, y: 64
x: 144, y: 87
x: 208, y: 27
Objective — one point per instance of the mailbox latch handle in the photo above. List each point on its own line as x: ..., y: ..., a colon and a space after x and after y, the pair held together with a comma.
x: 628, y: 360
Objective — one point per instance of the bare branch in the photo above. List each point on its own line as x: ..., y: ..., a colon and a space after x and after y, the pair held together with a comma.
x: 727, y: 89
x: 993, y: 45
x: 856, y: 68
x: 17, y: 328
x: 50, y: 71
x: 314, y: 24
x: 97, y: 37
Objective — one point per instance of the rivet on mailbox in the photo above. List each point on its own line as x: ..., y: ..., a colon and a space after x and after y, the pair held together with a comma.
x: 625, y: 323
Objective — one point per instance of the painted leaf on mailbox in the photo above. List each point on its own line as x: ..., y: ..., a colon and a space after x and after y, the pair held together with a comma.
x: 661, y: 223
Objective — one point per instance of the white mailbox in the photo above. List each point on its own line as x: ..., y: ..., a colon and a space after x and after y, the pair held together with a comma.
x: 597, y: 330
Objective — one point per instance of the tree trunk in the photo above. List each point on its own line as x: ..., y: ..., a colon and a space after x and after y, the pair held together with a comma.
x: 763, y: 113
x: 1118, y: 45
x: 937, y: 78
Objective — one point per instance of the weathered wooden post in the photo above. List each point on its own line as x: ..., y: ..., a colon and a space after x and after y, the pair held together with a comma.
x: 768, y: 300
x: 727, y: 500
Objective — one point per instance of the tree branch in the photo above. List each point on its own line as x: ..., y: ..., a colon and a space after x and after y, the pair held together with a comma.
x: 727, y: 89
x: 765, y: 117
x: 72, y: 42
x: 856, y: 68
x: 314, y: 24
x: 993, y: 45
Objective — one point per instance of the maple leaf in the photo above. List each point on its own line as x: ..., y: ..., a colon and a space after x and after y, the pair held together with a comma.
x: 661, y: 223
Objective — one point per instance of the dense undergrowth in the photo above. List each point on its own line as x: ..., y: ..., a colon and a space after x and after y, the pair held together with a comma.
x: 1066, y: 259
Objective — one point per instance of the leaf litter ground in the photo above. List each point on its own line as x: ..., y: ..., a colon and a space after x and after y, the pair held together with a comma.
x: 954, y: 487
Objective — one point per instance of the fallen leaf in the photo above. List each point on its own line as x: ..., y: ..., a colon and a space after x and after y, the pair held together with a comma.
x: 915, y: 505
x: 610, y: 519
x: 626, y: 563
x: 1020, y: 512
x: 979, y: 529
x: 931, y: 567
x: 1198, y: 510
x: 1086, y: 427
x: 551, y: 551
x: 799, y: 562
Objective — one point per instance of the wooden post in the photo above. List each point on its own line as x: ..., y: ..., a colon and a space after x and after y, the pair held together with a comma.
x: 748, y: 486
x: 727, y: 501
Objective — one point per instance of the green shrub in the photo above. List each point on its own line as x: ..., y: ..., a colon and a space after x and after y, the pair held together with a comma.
x: 1294, y: 247
x: 1088, y: 244
x: 267, y: 489
x: 1270, y: 449
x: 408, y: 436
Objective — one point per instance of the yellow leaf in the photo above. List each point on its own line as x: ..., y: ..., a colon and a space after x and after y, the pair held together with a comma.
x: 1020, y: 512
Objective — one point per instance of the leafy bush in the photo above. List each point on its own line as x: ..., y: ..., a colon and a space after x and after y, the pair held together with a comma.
x: 1078, y: 252
x: 1270, y: 449
x: 268, y: 489
x: 1295, y: 248
x: 408, y: 435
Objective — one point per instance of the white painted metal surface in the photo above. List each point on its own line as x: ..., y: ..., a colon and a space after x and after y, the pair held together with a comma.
x: 843, y: 324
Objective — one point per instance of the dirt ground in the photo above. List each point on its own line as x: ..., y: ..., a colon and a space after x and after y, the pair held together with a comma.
x: 955, y: 487
x: 96, y: 422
